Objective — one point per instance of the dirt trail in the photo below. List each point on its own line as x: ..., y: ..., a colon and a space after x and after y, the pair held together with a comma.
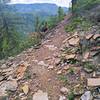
x: 41, y: 62
x: 47, y: 55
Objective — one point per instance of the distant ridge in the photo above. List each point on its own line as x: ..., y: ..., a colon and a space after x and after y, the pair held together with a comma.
x: 36, y: 7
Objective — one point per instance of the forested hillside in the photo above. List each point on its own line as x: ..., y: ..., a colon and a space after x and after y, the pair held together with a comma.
x: 19, y: 21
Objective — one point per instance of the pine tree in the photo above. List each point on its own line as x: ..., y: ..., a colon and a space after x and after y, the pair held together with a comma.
x: 37, y: 24
x: 60, y: 14
x: 9, y: 37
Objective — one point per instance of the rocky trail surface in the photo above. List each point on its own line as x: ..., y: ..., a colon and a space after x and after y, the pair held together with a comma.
x: 53, y: 70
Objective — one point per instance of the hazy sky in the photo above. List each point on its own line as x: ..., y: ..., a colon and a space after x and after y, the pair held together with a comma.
x: 58, y: 2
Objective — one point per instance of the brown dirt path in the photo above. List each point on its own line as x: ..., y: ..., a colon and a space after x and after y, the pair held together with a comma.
x: 43, y: 78
x: 47, y: 54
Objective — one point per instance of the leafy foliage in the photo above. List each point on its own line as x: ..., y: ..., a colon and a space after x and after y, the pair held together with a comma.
x: 84, y: 5
x: 78, y: 22
x: 9, y: 37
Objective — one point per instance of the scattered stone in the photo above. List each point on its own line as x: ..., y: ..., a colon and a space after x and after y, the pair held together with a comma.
x: 96, y: 36
x: 86, y: 55
x: 93, y: 81
x: 40, y: 95
x: 21, y: 70
x: 66, y: 68
x: 70, y: 56
x: 96, y: 93
x: 62, y: 98
x: 89, y: 36
x: 82, y: 76
x: 98, y: 73
x: 59, y: 72
x: 1, y: 78
x: 87, y: 96
x: 8, y: 86
x: 50, y: 67
x: 57, y: 61
x: 51, y: 47
x: 47, y: 58
x: 78, y: 90
x: 25, y: 89
x: 64, y: 90
x: 74, y: 41
x: 41, y: 63
x: 94, y: 74
x: 4, y: 66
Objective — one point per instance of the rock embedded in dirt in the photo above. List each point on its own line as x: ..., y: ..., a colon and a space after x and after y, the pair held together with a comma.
x: 8, y: 86
x: 25, y: 89
x: 4, y: 66
x: 62, y: 98
x: 96, y: 93
x: 70, y: 56
x: 78, y: 90
x: 87, y: 96
x: 40, y: 95
x: 1, y: 78
x: 41, y: 63
x: 74, y: 41
x: 51, y: 67
x: 89, y: 36
x: 57, y: 61
x: 93, y: 81
x: 86, y: 55
x: 21, y: 70
x: 66, y: 68
x: 59, y: 72
x: 96, y: 36
x: 64, y: 90
x: 51, y: 47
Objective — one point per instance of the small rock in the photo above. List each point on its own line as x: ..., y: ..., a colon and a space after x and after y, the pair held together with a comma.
x: 21, y: 70
x: 96, y: 36
x: 25, y: 89
x: 1, y: 78
x: 4, y: 66
x: 62, y: 98
x: 57, y: 61
x: 89, y: 36
x: 59, y: 72
x: 87, y: 96
x: 8, y: 86
x: 11, y: 85
x: 93, y: 81
x: 94, y: 74
x: 96, y: 93
x: 83, y: 76
x: 64, y: 90
x: 50, y: 67
x: 41, y: 63
x: 66, y: 68
x: 86, y: 55
x: 51, y: 47
x: 70, y: 56
x: 40, y: 95
x: 74, y: 41
x: 78, y: 90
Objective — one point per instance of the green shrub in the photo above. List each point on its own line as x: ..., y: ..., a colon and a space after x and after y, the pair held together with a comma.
x: 89, y: 65
x: 76, y: 23
x: 63, y: 78
x: 71, y: 96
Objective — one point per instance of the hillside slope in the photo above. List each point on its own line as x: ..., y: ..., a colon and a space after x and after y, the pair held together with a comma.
x: 58, y: 69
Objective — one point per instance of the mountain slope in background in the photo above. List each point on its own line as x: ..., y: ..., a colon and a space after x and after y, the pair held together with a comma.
x: 28, y: 12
